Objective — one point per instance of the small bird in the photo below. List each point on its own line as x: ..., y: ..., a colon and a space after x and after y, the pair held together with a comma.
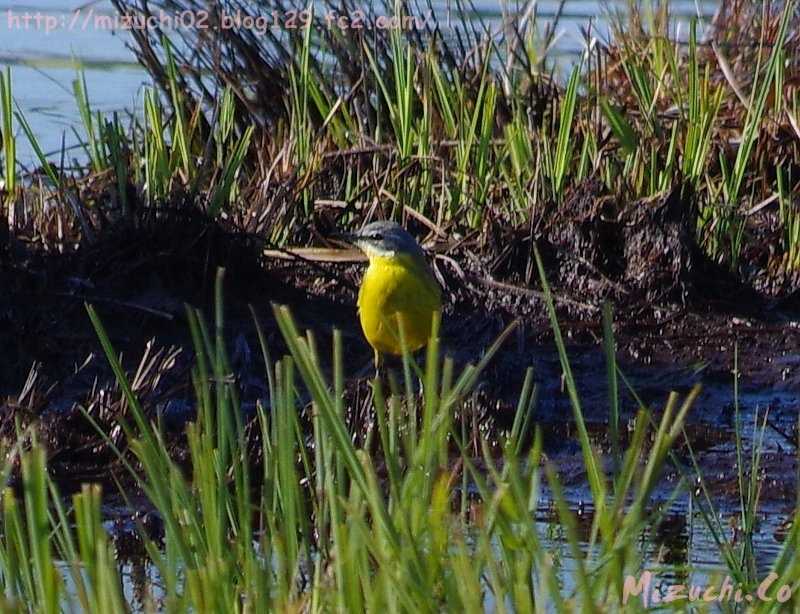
x: 398, y: 285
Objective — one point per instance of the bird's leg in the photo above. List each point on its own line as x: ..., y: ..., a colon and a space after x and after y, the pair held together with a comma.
x: 377, y: 362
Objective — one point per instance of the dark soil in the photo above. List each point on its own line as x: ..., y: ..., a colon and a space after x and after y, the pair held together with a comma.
x: 679, y: 320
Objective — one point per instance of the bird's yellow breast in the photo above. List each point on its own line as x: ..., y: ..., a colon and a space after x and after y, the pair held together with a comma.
x: 397, y: 287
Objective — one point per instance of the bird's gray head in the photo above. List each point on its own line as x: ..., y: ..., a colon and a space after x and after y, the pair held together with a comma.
x: 386, y: 239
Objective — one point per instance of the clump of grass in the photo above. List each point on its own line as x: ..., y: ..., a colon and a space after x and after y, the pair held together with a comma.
x: 116, y: 139
x: 156, y: 155
x: 704, y: 101
x: 322, y: 522
x: 168, y: 147
x: 225, y: 191
x: 51, y: 554
x: 762, y: 87
x: 480, y: 130
x: 559, y: 161
x: 463, y: 129
x: 398, y: 94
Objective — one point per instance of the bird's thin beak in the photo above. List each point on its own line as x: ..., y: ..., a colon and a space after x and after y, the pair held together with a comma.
x: 347, y: 237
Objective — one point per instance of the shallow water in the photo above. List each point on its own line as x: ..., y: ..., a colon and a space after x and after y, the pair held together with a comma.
x: 681, y: 550
x: 44, y: 66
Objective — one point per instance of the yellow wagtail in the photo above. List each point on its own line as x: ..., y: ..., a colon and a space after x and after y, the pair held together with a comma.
x: 398, y: 287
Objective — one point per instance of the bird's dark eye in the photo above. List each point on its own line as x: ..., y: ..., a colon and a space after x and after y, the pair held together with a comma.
x: 377, y: 236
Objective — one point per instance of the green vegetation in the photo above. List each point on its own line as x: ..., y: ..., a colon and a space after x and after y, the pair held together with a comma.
x: 462, y: 133
x: 9, y: 140
x: 327, y: 521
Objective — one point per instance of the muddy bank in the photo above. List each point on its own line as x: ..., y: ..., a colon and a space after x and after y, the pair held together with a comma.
x: 672, y: 330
